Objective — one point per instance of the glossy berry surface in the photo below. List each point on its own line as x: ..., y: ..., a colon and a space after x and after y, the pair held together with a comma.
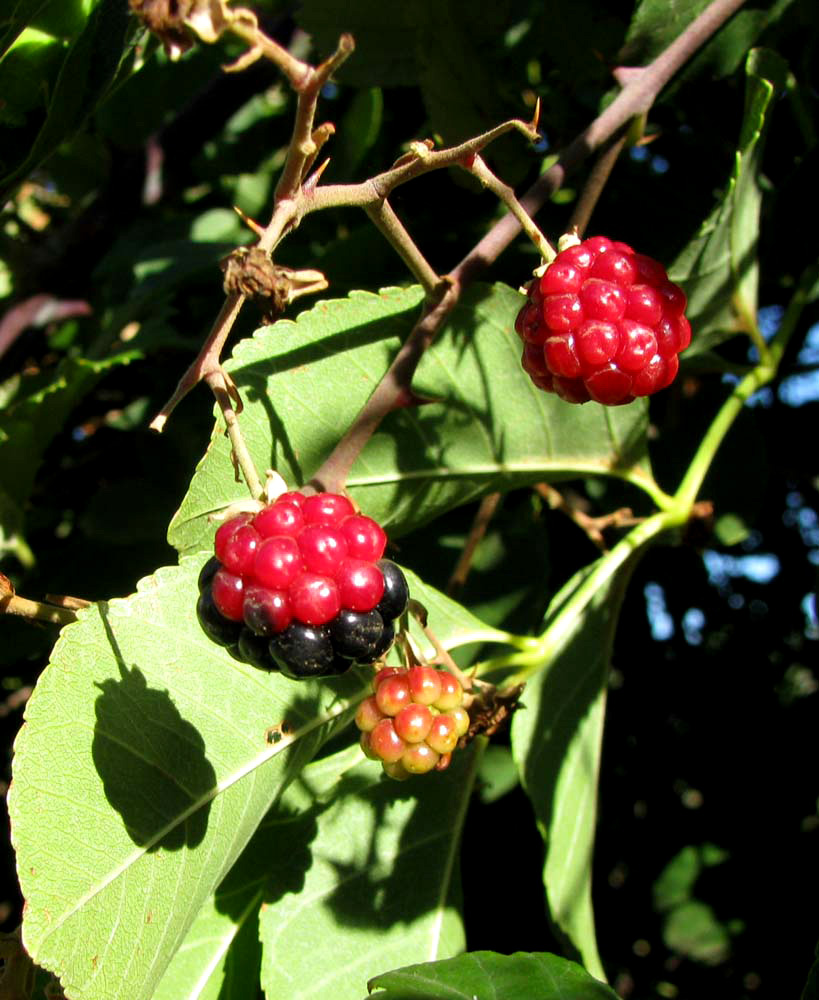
x: 413, y: 720
x: 304, y: 651
x: 603, y: 323
x: 306, y: 579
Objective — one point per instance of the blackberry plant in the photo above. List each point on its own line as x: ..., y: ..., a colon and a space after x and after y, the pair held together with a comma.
x: 385, y: 553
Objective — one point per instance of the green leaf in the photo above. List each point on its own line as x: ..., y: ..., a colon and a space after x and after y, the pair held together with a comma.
x: 359, y: 130
x: 34, y: 56
x: 487, y: 427
x: 14, y: 21
x: 692, y: 929
x: 656, y: 23
x: 88, y: 70
x: 487, y: 975
x: 556, y: 740
x: 675, y: 884
x: 811, y: 990
x: 719, y: 267
x: 497, y: 775
x: 221, y: 954
x: 364, y: 897
x: 29, y: 426
x: 145, y: 750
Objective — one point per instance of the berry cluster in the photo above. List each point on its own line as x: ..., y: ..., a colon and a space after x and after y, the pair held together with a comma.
x: 413, y: 721
x: 603, y: 323
x: 301, y: 587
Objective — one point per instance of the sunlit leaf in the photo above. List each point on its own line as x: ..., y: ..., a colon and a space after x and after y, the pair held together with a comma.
x: 719, y: 268
x: 482, y: 974
x: 486, y: 428
x: 556, y: 741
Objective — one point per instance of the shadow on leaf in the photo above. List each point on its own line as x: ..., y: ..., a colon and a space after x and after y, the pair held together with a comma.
x: 151, y: 761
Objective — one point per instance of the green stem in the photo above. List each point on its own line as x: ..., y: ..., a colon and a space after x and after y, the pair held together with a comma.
x: 541, y: 650
x: 764, y: 373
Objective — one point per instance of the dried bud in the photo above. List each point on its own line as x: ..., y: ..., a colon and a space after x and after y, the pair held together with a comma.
x: 175, y: 21
x: 250, y: 272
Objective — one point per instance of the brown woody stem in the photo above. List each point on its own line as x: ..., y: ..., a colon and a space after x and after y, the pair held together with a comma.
x: 485, y: 513
x: 596, y: 181
x: 387, y: 222
x: 36, y: 610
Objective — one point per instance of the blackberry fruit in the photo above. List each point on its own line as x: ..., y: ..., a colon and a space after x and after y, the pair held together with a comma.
x: 358, y: 635
x: 396, y: 592
x: 603, y: 323
x: 303, y: 651
x: 301, y: 586
x: 413, y: 720
x: 214, y: 624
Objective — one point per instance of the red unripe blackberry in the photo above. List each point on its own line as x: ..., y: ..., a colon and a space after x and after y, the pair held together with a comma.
x: 603, y: 323
x: 292, y: 496
x: 360, y: 584
x: 279, y: 519
x: 278, y: 562
x: 443, y: 734
x: 368, y: 715
x: 393, y: 694
x: 323, y: 549
x: 385, y: 743
x: 314, y: 598
x: 419, y: 758
x: 326, y: 508
x: 236, y: 544
x: 413, y: 723
x: 364, y: 743
x: 452, y: 693
x: 384, y: 673
x: 365, y: 537
x: 413, y: 734
x: 424, y: 684
x: 228, y: 593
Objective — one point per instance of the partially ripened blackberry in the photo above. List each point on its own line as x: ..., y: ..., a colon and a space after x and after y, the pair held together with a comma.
x: 301, y: 587
x: 413, y: 720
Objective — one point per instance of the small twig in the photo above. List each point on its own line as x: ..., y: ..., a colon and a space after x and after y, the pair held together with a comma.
x: 593, y: 527
x: 66, y: 601
x: 480, y: 523
x: 635, y: 98
x: 227, y: 397
x: 206, y: 361
x: 38, y: 310
x: 443, y: 657
x: 302, y: 146
x: 504, y: 193
x: 392, y: 392
x: 36, y: 610
x: 244, y: 25
x: 597, y: 179
x: 387, y: 222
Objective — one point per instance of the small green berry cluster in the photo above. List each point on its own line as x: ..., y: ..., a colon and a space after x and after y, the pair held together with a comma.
x: 413, y: 721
